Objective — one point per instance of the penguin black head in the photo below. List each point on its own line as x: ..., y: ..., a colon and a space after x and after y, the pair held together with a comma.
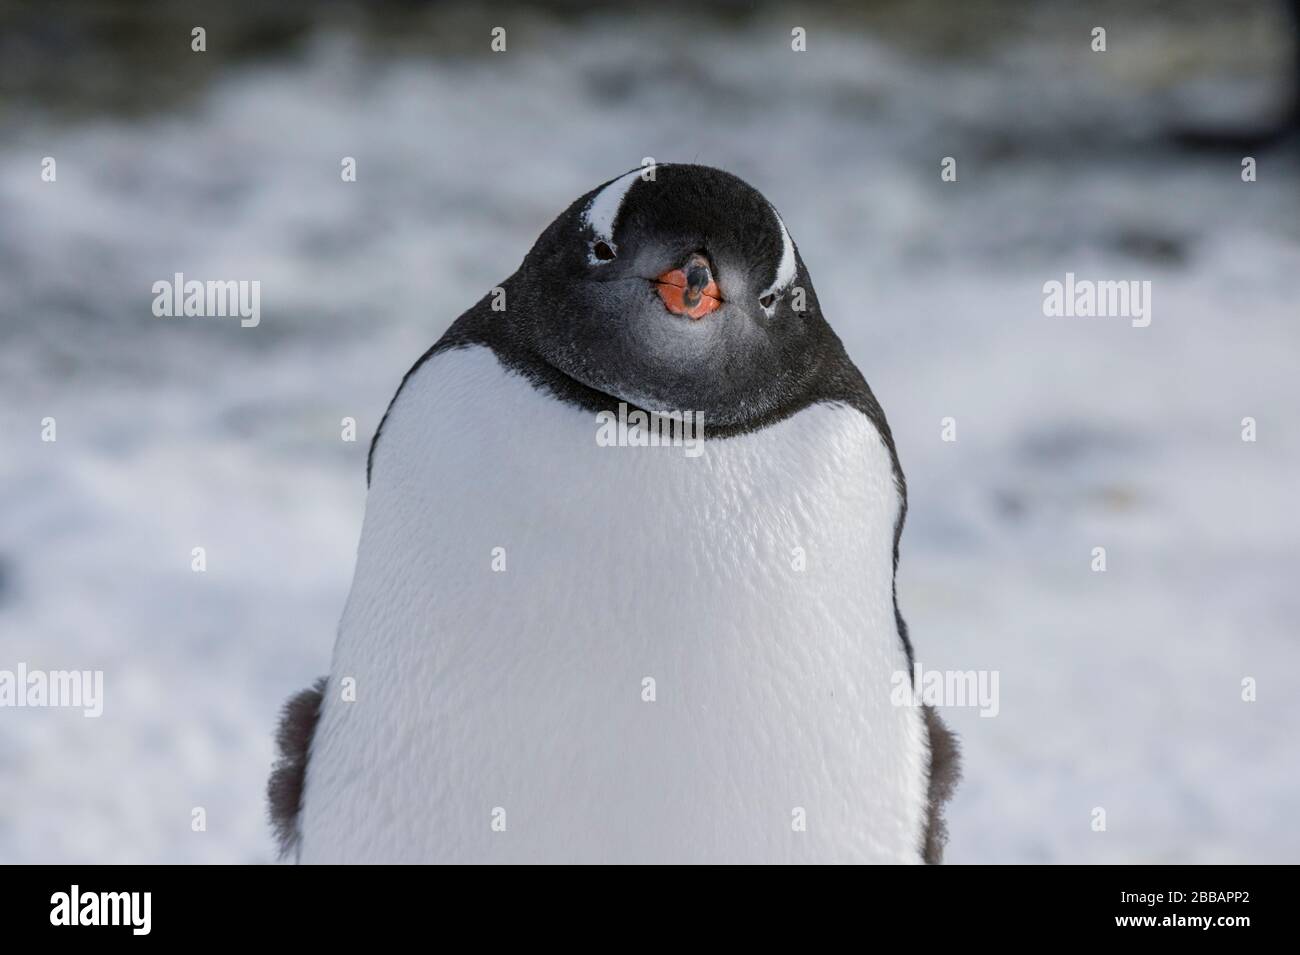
x: 674, y: 288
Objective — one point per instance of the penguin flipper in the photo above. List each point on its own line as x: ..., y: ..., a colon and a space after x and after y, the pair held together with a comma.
x: 288, y: 778
x: 945, y: 773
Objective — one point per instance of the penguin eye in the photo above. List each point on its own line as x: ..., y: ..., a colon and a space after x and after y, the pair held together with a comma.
x: 602, y: 251
x: 767, y: 301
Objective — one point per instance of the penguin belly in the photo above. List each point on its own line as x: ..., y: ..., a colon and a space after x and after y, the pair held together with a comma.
x: 567, y: 652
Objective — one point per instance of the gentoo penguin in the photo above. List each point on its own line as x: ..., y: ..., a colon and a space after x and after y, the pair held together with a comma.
x: 573, y: 641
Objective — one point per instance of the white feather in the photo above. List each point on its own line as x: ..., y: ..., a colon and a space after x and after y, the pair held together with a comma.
x: 602, y: 212
x: 522, y: 690
x: 786, y: 268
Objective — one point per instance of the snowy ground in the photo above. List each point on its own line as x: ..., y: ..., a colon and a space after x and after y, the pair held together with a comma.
x: 1118, y: 690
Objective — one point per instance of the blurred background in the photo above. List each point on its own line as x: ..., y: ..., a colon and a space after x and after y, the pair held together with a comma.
x: 1119, y: 690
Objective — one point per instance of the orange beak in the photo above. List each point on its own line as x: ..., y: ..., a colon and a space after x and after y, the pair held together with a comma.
x: 690, y: 290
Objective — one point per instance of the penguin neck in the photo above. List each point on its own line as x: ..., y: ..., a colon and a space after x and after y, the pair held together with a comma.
x: 833, y: 379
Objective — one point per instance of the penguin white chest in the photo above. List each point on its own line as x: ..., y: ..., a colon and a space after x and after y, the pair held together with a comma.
x: 564, y: 651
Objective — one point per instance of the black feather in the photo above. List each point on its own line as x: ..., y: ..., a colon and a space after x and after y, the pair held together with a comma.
x: 288, y: 777
x: 945, y: 773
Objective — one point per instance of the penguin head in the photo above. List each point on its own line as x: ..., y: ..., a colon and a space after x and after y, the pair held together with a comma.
x: 675, y: 288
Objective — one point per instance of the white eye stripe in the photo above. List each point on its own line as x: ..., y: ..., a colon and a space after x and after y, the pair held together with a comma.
x: 785, y: 269
x: 602, y: 212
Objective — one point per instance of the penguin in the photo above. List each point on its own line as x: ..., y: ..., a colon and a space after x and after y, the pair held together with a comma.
x: 567, y: 642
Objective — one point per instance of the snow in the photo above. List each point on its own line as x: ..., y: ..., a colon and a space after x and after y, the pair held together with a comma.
x: 1119, y: 690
